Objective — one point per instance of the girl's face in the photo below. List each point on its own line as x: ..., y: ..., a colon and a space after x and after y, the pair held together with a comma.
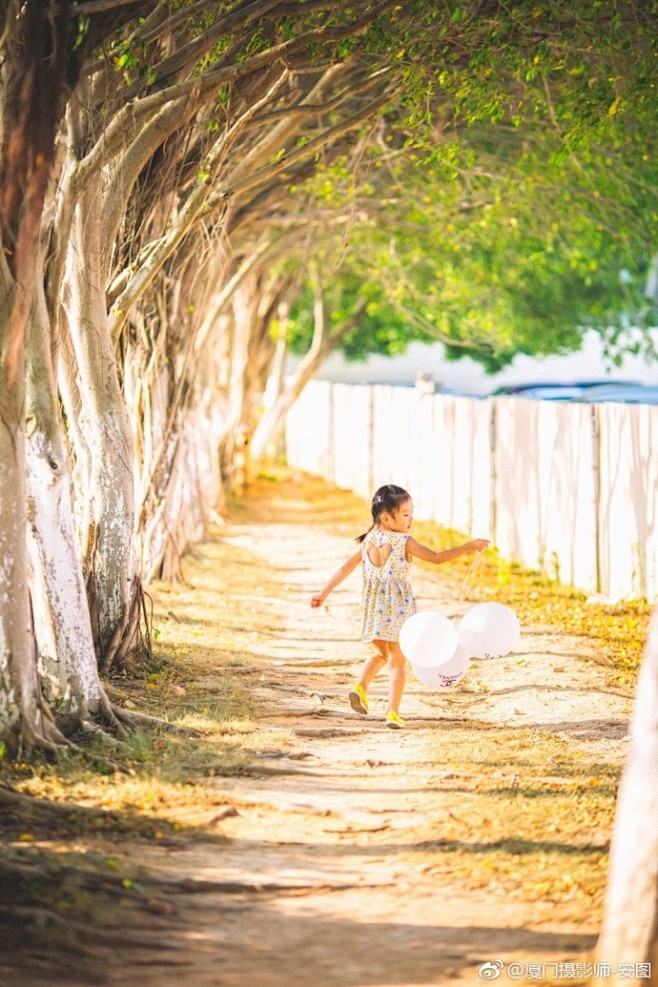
x: 401, y: 519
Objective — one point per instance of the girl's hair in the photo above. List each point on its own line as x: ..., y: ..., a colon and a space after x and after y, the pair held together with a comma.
x: 386, y: 501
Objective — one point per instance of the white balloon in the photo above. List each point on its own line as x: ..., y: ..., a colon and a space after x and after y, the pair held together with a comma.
x: 443, y: 676
x: 489, y: 630
x: 428, y: 639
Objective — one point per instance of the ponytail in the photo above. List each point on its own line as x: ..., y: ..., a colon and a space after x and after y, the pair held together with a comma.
x: 385, y: 501
x: 365, y: 534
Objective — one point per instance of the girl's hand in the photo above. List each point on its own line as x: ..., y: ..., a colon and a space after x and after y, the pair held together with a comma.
x: 317, y: 600
x: 479, y: 544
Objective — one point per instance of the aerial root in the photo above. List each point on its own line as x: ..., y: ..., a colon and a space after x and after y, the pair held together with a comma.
x: 96, y: 731
x: 135, y: 720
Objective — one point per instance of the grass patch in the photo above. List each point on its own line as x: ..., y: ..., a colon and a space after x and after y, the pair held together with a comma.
x: 530, y: 817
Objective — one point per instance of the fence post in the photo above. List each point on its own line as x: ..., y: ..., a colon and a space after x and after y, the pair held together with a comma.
x: 596, y: 467
x: 331, y: 449
x: 371, y: 438
x: 492, y: 460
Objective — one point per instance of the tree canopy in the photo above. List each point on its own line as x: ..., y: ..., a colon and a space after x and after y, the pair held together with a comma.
x: 507, y: 201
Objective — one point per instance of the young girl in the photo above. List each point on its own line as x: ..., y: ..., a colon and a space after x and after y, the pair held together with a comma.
x: 387, y: 598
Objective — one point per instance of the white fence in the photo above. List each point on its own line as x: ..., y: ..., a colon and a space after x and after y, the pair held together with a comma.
x: 569, y: 489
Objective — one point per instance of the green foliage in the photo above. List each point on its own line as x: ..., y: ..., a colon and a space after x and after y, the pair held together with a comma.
x: 81, y: 27
x: 512, y: 203
x: 381, y: 329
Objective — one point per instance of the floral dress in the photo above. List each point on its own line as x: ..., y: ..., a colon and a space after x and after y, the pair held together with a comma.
x: 387, y: 598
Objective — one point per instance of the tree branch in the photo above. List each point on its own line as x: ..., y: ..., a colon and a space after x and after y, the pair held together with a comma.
x: 155, y: 254
x: 263, y: 175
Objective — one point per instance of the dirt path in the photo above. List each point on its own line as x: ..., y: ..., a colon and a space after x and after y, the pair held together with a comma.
x: 352, y: 855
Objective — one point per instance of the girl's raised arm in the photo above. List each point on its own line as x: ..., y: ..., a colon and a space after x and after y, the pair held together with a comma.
x: 429, y: 555
x: 347, y: 567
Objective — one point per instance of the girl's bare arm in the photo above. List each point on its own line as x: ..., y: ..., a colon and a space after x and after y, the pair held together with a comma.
x: 429, y: 555
x: 347, y: 567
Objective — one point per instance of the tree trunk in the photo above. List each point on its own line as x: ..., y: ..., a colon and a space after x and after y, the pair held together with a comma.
x: 109, y: 557
x: 65, y: 649
x: 322, y: 344
x: 24, y: 720
x: 238, y: 424
x: 274, y: 384
x: 172, y: 400
x: 630, y: 924
x: 272, y: 420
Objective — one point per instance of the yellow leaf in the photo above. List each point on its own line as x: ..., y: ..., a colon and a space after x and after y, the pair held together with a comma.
x: 614, y: 106
x: 26, y: 837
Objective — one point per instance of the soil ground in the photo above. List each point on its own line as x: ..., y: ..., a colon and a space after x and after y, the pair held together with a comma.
x: 312, y: 847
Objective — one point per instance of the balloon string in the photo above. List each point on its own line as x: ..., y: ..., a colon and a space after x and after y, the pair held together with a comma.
x: 468, y: 572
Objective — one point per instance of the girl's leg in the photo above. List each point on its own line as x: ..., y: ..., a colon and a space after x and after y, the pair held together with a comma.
x: 374, y: 663
x: 397, y: 676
